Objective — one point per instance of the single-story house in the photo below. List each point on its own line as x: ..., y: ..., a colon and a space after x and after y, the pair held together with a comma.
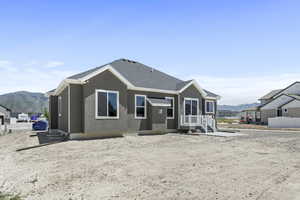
x: 251, y: 115
x: 282, y: 102
x: 126, y: 96
x: 4, y: 114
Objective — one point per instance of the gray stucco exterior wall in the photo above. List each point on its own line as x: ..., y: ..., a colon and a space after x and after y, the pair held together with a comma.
x: 266, y: 114
x: 159, y: 118
x: 63, y: 110
x: 53, y: 111
x: 191, y: 92
x: 76, y: 109
x: 82, y: 109
x: 291, y: 112
x: 104, y: 127
x: 145, y: 124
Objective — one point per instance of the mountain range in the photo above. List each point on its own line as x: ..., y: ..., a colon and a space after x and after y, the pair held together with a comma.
x: 33, y: 102
x: 26, y: 102
x: 237, y: 107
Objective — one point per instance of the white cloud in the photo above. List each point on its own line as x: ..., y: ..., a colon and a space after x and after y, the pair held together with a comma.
x: 247, y: 89
x: 4, y: 63
x: 16, y: 77
x: 54, y: 64
x: 234, y: 90
x: 31, y: 63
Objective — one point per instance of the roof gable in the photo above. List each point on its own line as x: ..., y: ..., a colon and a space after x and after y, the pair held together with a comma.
x: 291, y: 89
x: 141, y: 75
x: 137, y: 76
x: 197, y: 86
x: 277, y: 102
x: 270, y: 94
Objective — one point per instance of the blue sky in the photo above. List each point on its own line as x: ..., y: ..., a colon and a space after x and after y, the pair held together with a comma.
x: 238, y: 49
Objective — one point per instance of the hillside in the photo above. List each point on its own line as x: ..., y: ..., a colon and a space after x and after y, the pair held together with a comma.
x: 30, y: 102
x: 237, y: 107
x: 22, y: 101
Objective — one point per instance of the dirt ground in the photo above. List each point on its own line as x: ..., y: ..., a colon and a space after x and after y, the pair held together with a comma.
x: 257, y: 165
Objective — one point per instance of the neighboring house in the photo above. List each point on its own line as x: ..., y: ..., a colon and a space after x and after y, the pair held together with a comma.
x: 127, y: 96
x: 282, y: 102
x: 4, y: 114
x: 251, y: 115
x: 269, y: 96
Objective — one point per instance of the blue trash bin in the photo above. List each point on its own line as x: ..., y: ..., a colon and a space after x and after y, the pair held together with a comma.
x: 40, y: 125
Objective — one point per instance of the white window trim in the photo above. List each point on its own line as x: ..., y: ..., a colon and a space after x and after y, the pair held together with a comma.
x: 137, y: 117
x: 206, y: 107
x: 192, y: 99
x: 96, y: 104
x: 173, y: 107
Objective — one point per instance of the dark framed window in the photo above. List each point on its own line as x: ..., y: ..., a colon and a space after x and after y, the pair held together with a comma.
x: 210, y: 106
x: 140, y: 107
x: 191, y: 106
x: 107, y: 104
x: 170, y: 110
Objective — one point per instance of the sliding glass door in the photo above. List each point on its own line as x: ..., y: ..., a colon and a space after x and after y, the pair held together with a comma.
x: 191, y: 106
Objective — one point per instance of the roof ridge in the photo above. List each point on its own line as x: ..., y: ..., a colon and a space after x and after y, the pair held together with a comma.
x: 139, y: 75
x: 144, y: 65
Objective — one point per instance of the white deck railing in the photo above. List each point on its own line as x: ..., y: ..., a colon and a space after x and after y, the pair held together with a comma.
x: 198, y: 120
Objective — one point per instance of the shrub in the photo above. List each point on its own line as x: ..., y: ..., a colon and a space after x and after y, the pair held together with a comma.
x: 5, y: 196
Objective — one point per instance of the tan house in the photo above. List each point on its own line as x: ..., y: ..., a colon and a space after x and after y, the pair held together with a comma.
x: 281, y: 102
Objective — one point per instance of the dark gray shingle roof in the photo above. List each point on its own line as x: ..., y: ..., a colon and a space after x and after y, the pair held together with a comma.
x: 141, y: 75
x: 270, y: 94
x: 182, y: 84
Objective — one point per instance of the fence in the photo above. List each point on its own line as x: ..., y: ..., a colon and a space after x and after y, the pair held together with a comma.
x: 284, y: 122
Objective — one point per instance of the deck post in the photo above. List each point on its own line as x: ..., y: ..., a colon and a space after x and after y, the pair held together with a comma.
x: 206, y: 124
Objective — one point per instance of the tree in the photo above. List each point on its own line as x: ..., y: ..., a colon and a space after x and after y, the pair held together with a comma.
x: 46, y: 114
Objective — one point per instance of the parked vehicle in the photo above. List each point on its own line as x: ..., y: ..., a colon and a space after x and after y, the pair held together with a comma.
x: 23, y: 117
x: 40, y: 125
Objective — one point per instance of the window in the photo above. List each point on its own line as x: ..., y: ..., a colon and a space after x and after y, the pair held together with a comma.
x: 107, y: 104
x: 140, y: 107
x: 210, y: 106
x: 286, y: 110
x: 170, y: 110
x: 279, y: 112
x: 190, y: 106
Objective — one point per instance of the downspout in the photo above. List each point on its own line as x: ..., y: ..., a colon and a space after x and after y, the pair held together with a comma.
x: 69, y: 110
x: 179, y: 111
x: 216, y: 109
